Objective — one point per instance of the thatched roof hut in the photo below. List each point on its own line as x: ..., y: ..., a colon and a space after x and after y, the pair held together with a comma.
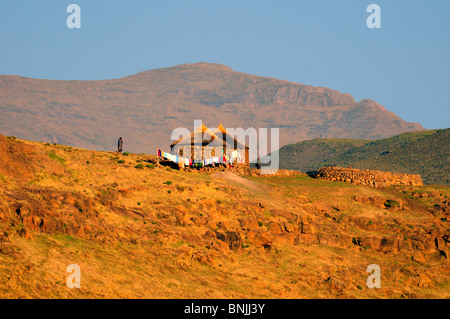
x: 201, y: 133
x: 210, y: 142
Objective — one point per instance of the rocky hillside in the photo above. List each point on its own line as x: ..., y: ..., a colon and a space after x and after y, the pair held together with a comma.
x: 144, y: 108
x: 142, y: 230
x: 426, y: 153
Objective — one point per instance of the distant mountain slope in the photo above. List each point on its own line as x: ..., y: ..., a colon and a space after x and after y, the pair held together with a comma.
x: 144, y: 108
x: 425, y: 152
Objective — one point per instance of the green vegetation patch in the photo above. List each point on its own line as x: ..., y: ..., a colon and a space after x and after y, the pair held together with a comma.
x: 422, y: 152
x: 56, y: 158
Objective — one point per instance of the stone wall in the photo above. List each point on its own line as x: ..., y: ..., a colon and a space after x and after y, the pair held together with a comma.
x: 368, y: 177
x: 203, y: 152
x: 243, y: 171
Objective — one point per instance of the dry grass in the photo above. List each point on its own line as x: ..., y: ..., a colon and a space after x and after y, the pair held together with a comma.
x: 147, y: 243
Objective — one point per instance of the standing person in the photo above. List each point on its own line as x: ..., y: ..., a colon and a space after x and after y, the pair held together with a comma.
x: 120, y: 145
x: 258, y: 163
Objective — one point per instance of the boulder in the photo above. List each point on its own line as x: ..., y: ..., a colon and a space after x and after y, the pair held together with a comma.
x: 369, y: 242
x: 306, y: 228
x: 232, y: 238
x: 389, y: 245
x: 306, y: 239
x: 290, y: 227
x: 248, y: 223
x: 275, y: 228
x: 284, y: 239
x: 423, y: 281
x: 260, y: 237
x: 25, y: 232
x: 335, y: 284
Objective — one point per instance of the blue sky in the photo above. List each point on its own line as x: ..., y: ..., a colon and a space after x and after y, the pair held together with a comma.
x: 405, y: 65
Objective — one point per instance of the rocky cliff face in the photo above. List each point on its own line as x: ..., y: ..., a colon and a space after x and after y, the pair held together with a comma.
x: 144, y: 108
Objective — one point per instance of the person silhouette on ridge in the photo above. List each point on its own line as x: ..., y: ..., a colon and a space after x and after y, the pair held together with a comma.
x: 120, y: 144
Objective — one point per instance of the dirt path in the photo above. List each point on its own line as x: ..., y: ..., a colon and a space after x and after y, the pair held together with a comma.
x: 236, y: 179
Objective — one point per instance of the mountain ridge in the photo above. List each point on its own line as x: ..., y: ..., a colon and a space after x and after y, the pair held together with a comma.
x: 145, y: 107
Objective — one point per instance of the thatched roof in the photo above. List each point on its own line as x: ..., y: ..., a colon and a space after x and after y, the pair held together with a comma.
x: 204, y: 134
x: 226, y: 135
x: 201, y: 133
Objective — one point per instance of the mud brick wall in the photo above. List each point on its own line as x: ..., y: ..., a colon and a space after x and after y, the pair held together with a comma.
x: 368, y: 177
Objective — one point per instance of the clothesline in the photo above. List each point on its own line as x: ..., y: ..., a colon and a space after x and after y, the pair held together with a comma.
x: 224, y: 159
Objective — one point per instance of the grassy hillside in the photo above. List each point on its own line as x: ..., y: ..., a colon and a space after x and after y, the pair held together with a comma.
x: 309, y: 155
x: 148, y: 231
x: 426, y: 153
